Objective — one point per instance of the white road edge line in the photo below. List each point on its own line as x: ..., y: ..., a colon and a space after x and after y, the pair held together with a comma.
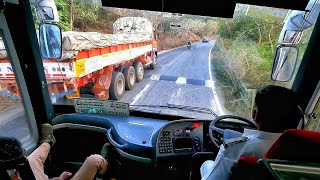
x: 216, y: 99
x: 137, y: 97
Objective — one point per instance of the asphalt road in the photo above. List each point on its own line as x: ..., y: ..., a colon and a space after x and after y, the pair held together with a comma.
x: 182, y: 77
x: 13, y: 123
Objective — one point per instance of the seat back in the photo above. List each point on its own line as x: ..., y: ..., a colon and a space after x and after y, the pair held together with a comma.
x: 296, y: 145
x: 248, y: 168
x: 293, y: 145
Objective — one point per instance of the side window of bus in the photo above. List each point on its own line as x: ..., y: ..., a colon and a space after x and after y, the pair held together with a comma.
x: 14, y: 116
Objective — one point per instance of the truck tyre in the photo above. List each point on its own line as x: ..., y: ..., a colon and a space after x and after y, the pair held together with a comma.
x: 117, y: 86
x: 138, y: 67
x: 130, y: 77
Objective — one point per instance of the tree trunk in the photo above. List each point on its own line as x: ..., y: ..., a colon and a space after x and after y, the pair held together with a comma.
x: 260, y: 36
x: 270, y: 39
x: 71, y: 15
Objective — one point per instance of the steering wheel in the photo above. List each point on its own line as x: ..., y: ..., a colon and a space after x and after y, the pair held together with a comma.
x: 217, y: 134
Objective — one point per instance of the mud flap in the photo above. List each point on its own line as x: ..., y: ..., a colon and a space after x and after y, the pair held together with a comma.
x: 102, y: 79
x: 75, y: 94
x: 143, y: 59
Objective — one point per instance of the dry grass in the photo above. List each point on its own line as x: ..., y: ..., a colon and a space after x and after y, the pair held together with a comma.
x: 173, y: 40
x: 100, y: 27
x: 7, y: 102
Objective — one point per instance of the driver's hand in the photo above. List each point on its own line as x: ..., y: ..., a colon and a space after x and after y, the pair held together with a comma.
x: 64, y: 176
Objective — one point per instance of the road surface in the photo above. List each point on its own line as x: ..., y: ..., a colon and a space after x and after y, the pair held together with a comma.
x: 182, y: 77
x: 13, y: 123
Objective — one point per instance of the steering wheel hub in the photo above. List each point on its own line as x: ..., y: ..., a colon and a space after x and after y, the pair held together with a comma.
x: 217, y: 135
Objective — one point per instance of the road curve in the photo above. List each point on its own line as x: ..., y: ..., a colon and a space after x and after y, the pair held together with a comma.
x: 182, y: 77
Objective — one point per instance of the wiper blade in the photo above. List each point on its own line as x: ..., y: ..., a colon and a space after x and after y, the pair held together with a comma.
x: 181, y: 107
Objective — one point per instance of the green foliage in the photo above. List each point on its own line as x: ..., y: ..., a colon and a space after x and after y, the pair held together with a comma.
x: 265, y: 51
x: 35, y: 19
x: 84, y: 14
x: 64, y: 14
x: 245, y: 51
x: 240, y: 26
x: 249, y: 44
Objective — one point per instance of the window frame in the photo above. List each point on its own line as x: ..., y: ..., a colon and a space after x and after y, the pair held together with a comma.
x: 312, y: 107
x: 31, y: 144
x: 314, y: 101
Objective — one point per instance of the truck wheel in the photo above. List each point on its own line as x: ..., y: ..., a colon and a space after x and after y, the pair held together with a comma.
x: 130, y: 77
x: 139, y: 71
x: 117, y: 86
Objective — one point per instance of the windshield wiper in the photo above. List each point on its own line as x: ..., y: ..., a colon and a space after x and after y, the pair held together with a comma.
x: 180, y: 107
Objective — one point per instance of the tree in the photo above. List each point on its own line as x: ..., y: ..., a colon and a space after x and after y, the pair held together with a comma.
x: 64, y: 14
x: 84, y: 14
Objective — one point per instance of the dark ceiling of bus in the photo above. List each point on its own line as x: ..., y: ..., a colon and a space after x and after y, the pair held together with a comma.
x: 221, y: 8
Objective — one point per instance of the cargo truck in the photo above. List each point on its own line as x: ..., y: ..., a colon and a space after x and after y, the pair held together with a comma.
x: 101, y: 65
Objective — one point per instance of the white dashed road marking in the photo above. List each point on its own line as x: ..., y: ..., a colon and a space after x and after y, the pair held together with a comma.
x: 181, y: 80
x: 155, y: 77
x: 209, y: 83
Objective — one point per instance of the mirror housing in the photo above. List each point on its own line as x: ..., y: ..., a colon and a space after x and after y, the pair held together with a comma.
x: 50, y: 38
x: 292, y: 37
x: 46, y: 10
x: 284, y: 63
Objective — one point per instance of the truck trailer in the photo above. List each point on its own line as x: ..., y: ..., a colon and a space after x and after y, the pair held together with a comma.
x: 101, y: 65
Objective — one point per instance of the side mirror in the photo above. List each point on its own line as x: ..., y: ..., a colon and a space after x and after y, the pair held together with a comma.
x: 292, y: 37
x: 46, y: 10
x: 50, y: 41
x: 284, y: 63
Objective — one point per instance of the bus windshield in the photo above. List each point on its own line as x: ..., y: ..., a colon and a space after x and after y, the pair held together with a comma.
x: 161, y: 62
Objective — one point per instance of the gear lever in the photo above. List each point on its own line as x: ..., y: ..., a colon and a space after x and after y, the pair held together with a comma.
x: 105, y: 151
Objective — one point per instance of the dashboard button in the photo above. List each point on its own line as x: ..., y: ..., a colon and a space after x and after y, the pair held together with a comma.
x: 196, y: 142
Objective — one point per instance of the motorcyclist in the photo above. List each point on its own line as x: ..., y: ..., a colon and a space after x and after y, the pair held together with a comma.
x: 189, y: 44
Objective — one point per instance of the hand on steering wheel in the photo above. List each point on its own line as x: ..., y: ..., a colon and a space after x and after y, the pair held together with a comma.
x: 217, y: 134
